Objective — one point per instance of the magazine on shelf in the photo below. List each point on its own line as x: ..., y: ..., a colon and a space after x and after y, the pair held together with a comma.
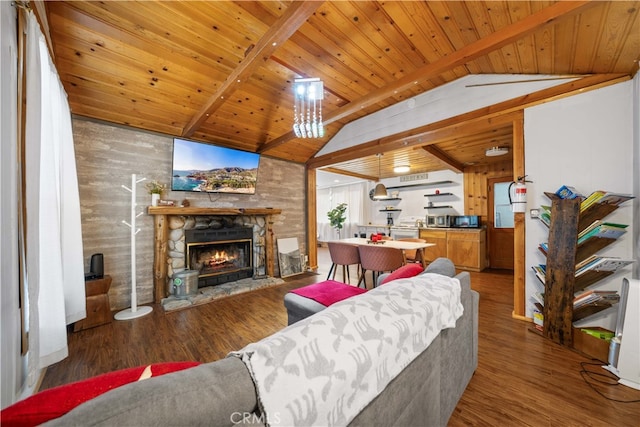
x: 591, y: 199
x: 615, y: 198
x: 545, y: 214
x: 604, y: 230
x: 595, y: 224
x: 591, y: 297
x: 598, y: 263
x: 540, y: 271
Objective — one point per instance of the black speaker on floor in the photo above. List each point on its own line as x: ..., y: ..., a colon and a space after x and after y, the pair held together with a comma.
x: 97, y: 266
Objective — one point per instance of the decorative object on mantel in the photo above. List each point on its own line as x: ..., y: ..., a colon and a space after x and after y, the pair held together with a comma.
x: 307, y: 108
x: 155, y: 189
x: 211, y: 293
x: 185, y: 203
x: 133, y: 312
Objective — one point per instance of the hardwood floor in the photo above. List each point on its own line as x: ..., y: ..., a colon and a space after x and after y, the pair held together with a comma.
x: 522, y: 379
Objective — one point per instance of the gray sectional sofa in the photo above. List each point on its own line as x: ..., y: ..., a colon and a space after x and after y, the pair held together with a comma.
x: 222, y: 393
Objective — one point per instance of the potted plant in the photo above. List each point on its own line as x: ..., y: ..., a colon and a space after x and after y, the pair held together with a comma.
x: 337, y: 217
x: 155, y: 189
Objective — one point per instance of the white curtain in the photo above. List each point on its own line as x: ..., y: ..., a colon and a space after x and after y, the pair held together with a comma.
x: 55, y: 269
x: 328, y: 198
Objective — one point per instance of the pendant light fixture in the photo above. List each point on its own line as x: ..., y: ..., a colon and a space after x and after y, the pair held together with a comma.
x: 381, y: 191
x: 307, y: 108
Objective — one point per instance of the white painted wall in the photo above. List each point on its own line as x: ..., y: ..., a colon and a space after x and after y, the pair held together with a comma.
x: 585, y: 141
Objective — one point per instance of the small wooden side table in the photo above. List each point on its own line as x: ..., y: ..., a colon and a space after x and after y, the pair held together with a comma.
x: 98, y: 308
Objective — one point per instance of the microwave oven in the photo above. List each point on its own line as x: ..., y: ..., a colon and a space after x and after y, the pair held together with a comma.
x: 438, y: 221
x: 465, y: 221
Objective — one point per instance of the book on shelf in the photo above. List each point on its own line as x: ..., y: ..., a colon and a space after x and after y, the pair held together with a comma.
x: 538, y: 318
x: 590, y: 297
x: 607, y: 230
x: 614, y: 198
x: 599, y: 333
x: 599, y: 222
x: 600, y: 263
x: 567, y: 192
x: 545, y: 215
x: 540, y: 271
x: 611, y: 299
x: 591, y: 199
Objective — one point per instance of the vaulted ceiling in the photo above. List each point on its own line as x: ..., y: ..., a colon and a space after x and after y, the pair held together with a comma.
x: 222, y: 71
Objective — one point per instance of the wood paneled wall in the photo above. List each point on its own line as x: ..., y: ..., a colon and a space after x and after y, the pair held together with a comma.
x: 106, y: 157
x: 475, y: 186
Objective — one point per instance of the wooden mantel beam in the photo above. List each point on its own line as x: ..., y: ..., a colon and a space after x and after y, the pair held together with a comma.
x: 294, y: 16
x: 193, y: 210
x: 496, y: 40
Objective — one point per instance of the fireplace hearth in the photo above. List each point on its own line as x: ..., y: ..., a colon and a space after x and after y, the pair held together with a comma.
x: 219, y: 255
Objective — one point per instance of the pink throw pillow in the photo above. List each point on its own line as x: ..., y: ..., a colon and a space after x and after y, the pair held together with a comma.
x: 404, y: 272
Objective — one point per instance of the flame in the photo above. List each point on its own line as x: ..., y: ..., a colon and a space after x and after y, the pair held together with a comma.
x: 219, y: 257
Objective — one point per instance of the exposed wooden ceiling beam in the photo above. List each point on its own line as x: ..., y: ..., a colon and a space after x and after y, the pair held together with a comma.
x: 496, y: 40
x: 352, y: 174
x: 293, y: 17
x: 494, y: 114
x: 446, y: 160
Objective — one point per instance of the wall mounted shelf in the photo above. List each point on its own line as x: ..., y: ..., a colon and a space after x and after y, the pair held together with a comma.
x: 424, y: 184
x: 437, y: 207
x: 438, y: 194
x: 390, y: 210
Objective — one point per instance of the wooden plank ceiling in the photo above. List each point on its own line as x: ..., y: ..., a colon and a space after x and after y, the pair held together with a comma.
x: 222, y: 71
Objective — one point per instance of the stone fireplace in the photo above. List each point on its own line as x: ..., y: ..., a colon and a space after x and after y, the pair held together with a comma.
x: 194, y: 238
x: 220, y: 256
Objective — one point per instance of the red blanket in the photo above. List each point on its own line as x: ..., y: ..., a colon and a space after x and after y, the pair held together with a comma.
x: 55, y: 402
x: 328, y: 292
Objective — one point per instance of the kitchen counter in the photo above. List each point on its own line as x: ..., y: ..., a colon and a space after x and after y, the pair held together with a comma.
x: 468, y: 230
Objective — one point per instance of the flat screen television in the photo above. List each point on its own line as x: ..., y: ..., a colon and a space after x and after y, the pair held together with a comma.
x: 207, y: 168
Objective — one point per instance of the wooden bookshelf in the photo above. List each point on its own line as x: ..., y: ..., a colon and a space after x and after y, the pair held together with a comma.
x: 561, y: 283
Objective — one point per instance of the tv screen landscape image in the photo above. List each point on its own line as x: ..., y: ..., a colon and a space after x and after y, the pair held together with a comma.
x: 207, y: 168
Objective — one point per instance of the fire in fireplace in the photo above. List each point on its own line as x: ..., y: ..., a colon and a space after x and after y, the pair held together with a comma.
x: 220, y: 256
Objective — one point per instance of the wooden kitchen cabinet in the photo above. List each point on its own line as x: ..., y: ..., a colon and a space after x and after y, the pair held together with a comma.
x: 467, y: 249
x: 439, y: 239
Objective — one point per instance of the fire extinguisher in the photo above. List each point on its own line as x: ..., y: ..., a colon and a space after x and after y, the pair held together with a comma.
x: 518, y: 200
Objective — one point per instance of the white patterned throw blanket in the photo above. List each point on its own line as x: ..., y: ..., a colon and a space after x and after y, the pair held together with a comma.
x: 325, y: 369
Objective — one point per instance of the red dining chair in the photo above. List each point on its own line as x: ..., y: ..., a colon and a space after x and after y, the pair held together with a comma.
x: 345, y: 255
x: 379, y: 259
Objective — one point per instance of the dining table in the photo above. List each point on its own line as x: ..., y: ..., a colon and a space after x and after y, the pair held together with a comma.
x: 398, y: 244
